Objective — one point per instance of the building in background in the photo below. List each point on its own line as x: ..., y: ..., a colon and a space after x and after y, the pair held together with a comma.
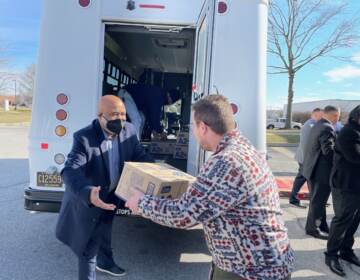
x: 8, y: 97
x: 300, y: 110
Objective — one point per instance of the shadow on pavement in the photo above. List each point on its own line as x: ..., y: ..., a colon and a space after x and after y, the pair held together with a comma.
x: 151, y: 251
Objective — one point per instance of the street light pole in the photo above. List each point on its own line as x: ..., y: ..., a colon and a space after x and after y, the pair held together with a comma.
x: 15, y: 95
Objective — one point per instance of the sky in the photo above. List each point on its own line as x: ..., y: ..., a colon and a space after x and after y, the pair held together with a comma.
x: 19, y: 32
x: 327, y: 78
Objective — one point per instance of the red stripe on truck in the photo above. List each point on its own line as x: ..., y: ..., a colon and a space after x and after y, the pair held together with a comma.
x: 151, y: 6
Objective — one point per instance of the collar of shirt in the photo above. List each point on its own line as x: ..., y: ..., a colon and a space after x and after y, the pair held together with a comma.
x: 227, y: 137
x: 107, y: 136
x: 310, y: 121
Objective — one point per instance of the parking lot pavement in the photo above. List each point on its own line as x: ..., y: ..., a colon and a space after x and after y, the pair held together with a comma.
x: 281, y: 161
x: 29, y: 250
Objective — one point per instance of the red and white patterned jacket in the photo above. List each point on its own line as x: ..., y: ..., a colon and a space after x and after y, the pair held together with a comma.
x: 236, y: 200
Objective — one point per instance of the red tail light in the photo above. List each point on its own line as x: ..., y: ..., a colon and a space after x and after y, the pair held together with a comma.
x: 84, y: 3
x: 62, y: 99
x: 222, y: 7
x: 61, y: 115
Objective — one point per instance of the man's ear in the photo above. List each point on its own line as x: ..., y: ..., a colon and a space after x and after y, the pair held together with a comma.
x: 203, y: 127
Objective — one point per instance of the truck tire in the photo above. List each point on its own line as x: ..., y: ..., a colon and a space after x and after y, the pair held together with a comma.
x: 270, y: 126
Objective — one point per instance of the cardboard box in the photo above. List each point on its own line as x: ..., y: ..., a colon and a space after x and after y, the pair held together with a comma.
x: 182, y: 138
x: 181, y: 152
x: 162, y: 148
x: 157, y: 179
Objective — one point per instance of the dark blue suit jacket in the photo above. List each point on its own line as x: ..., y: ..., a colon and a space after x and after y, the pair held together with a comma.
x: 87, y: 165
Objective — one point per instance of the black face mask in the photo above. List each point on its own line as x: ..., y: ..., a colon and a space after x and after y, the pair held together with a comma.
x: 115, y: 126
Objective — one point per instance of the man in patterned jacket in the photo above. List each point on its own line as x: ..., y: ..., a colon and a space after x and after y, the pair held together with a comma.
x: 234, y: 197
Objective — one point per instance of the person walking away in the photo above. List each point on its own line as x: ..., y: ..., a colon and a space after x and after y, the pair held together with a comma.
x: 318, y: 160
x: 345, y: 188
x: 300, y: 180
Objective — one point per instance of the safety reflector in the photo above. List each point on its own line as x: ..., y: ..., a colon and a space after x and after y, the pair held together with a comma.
x: 44, y: 146
x: 60, y: 130
x: 193, y: 87
x: 59, y: 158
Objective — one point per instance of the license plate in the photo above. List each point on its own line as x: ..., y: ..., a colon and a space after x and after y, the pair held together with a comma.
x: 44, y: 179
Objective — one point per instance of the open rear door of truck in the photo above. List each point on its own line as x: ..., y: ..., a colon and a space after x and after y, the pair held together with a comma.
x: 202, y: 71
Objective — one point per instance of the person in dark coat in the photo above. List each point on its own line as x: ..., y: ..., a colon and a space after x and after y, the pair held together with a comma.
x: 319, y: 151
x: 150, y: 100
x: 91, y: 173
x: 345, y: 188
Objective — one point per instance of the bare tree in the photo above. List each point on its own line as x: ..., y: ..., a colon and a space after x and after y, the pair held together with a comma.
x: 5, y: 78
x: 27, y: 80
x: 27, y: 85
x: 301, y: 31
x: 4, y: 75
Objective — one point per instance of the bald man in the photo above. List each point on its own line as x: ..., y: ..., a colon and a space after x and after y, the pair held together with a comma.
x: 91, y: 173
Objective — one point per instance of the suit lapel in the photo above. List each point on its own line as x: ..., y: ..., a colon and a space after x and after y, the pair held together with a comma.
x: 103, y: 149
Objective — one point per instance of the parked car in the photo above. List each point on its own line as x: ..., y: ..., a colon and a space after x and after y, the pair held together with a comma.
x: 280, y: 123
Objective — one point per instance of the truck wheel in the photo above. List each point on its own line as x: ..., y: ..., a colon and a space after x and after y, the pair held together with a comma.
x: 296, y: 127
x: 270, y: 126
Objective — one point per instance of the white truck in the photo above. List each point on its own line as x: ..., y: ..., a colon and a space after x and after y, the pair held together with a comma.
x: 203, y: 46
x: 280, y: 123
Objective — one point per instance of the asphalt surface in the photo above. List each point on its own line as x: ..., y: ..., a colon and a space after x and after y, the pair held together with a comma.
x: 29, y: 250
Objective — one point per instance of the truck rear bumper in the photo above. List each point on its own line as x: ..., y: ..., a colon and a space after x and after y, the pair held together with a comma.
x: 42, y: 200
x: 50, y: 201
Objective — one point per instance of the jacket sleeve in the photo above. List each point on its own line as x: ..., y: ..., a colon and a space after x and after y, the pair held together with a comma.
x: 327, y: 143
x: 74, y: 175
x: 205, y: 200
x: 350, y: 146
x: 304, y: 135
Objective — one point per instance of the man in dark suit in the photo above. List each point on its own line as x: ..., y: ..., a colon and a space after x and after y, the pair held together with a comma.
x: 91, y: 173
x: 319, y: 151
x: 345, y: 188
